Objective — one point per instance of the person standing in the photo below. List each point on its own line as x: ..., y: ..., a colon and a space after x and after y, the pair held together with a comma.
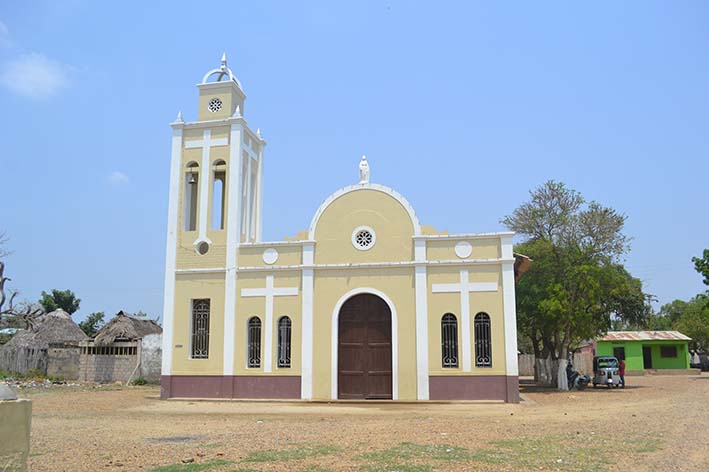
x: 621, y: 371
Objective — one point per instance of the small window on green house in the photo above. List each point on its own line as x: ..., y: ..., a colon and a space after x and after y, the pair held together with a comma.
x: 668, y: 351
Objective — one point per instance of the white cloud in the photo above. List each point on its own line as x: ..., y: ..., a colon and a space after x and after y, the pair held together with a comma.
x: 4, y: 36
x: 35, y: 76
x: 118, y: 178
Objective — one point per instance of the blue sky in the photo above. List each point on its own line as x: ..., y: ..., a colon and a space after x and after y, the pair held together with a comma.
x: 461, y: 106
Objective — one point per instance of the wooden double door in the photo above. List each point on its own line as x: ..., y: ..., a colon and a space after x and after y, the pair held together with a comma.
x: 364, y: 349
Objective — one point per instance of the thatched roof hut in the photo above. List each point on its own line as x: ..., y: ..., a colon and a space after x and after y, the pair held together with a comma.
x: 125, y: 327
x: 28, y: 348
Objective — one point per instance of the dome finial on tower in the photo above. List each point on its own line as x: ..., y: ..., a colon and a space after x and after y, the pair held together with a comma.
x: 223, y: 72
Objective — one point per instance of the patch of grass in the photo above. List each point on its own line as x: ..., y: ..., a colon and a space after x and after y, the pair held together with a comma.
x: 398, y: 468
x: 549, y: 453
x: 409, y: 451
x: 139, y: 381
x: 295, y: 453
x: 411, y: 457
x: 194, y: 467
x: 644, y: 445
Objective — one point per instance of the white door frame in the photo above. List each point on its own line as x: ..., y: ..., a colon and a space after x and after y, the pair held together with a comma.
x: 394, y: 339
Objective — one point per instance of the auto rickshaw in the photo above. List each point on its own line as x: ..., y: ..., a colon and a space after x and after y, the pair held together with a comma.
x: 606, y: 371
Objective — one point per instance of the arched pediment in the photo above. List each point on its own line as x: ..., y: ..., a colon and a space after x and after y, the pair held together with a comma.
x: 354, y: 188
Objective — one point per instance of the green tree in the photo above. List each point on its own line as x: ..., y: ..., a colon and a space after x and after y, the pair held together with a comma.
x: 92, y: 323
x: 576, y: 285
x: 694, y: 321
x: 701, y: 265
x: 64, y: 299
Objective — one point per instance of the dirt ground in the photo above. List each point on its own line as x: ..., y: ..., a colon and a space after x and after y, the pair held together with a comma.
x: 657, y: 423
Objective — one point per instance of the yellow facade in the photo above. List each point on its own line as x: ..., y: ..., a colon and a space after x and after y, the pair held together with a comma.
x: 364, y: 239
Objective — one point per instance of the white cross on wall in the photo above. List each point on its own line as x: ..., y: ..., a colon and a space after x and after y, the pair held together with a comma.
x: 205, y: 143
x: 464, y: 288
x: 269, y: 292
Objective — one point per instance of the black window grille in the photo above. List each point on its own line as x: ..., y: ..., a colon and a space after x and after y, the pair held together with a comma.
x: 284, y: 334
x: 449, y: 341
x: 254, y: 342
x: 483, y: 341
x: 200, y: 328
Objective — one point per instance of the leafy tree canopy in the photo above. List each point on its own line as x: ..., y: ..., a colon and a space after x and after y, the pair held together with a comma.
x: 64, y: 299
x: 702, y: 266
x: 92, y: 323
x: 577, y: 284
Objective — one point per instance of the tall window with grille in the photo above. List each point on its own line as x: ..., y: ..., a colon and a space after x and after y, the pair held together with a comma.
x: 449, y: 341
x: 200, y: 328
x: 254, y: 342
x: 483, y: 341
x: 284, y: 335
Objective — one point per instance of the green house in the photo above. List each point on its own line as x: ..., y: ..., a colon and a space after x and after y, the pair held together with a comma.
x: 643, y: 350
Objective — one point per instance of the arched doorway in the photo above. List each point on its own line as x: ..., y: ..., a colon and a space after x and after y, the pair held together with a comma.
x: 364, y: 351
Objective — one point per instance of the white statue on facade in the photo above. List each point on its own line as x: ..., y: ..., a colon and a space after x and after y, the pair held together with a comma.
x: 363, y: 170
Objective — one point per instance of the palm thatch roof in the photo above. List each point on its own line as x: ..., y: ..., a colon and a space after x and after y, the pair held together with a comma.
x: 125, y: 327
x: 54, y: 327
x: 28, y: 348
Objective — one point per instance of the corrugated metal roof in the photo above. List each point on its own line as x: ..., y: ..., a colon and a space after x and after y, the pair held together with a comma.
x: 645, y: 336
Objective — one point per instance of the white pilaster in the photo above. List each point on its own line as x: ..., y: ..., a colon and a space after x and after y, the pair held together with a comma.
x: 233, y: 237
x: 421, y: 287
x: 259, y: 196
x: 171, y: 248
x: 306, y: 375
x: 249, y: 201
x: 510, y: 307
x: 465, y: 320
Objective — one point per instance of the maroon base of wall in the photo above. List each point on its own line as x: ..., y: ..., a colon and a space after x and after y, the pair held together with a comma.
x: 218, y: 386
x: 477, y: 387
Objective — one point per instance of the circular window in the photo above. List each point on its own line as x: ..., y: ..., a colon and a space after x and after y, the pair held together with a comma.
x: 202, y: 248
x: 363, y: 238
x: 214, y: 105
x: 463, y: 249
x: 270, y: 256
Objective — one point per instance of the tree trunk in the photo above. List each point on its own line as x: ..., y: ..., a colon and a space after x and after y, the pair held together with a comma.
x: 562, y: 382
x: 544, y: 366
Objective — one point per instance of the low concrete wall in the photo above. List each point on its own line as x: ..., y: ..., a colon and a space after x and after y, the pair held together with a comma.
x: 151, y: 358
x: 105, y: 364
x: 15, y: 419
x: 63, y: 361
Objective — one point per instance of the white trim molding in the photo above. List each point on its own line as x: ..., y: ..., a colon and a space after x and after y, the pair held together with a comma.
x: 171, y: 249
x: 353, y: 188
x: 306, y: 369
x: 394, y: 340
x: 233, y: 223
x: 422, y: 390
x: 510, y: 309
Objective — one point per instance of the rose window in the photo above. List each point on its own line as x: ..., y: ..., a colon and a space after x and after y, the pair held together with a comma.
x: 214, y: 105
x: 363, y: 238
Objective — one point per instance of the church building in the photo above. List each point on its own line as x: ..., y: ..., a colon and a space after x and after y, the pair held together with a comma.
x: 367, y: 303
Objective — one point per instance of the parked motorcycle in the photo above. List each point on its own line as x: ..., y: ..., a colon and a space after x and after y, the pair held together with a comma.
x: 575, y: 379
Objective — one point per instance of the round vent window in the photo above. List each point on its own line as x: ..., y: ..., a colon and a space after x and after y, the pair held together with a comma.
x: 214, y: 105
x: 363, y: 238
x: 202, y: 248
